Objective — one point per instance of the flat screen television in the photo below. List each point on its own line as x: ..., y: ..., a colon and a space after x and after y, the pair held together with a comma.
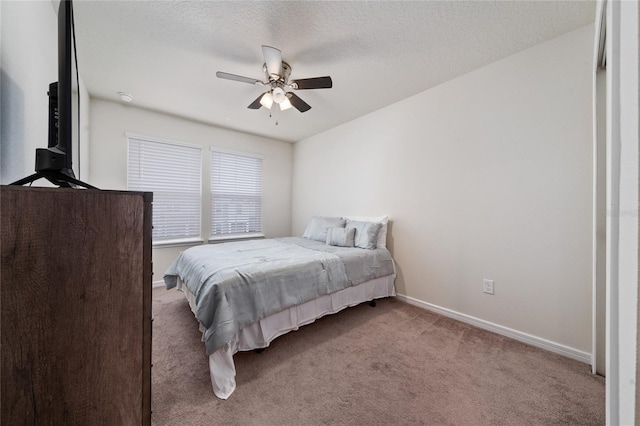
x: 55, y: 163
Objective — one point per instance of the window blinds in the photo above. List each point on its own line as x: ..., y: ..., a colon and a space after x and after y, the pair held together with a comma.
x: 173, y: 173
x: 236, y: 193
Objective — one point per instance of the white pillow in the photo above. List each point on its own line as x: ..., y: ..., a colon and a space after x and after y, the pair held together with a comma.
x: 382, y: 234
x: 317, y: 228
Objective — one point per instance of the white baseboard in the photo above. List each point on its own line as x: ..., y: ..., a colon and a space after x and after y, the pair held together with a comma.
x: 157, y: 284
x: 539, y: 342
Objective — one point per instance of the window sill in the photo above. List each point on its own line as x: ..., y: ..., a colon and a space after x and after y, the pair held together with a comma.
x: 235, y: 237
x: 178, y: 243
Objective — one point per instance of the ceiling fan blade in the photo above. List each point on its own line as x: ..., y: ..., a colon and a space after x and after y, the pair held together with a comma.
x: 239, y: 78
x: 300, y: 105
x: 313, y: 83
x: 273, y: 60
x: 256, y: 104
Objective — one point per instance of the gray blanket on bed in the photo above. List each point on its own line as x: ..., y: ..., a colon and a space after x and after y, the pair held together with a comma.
x: 237, y: 284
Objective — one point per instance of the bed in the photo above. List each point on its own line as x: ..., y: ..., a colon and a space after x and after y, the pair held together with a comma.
x: 246, y: 294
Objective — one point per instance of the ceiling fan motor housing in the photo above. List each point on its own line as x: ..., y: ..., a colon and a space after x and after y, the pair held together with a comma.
x: 284, y: 78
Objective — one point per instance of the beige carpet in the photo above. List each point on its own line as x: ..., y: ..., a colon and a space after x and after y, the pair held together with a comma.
x: 389, y: 365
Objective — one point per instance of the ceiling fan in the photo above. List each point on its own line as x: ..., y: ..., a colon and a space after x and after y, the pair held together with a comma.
x: 277, y: 78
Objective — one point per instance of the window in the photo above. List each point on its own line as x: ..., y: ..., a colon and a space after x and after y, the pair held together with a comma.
x: 173, y: 173
x: 236, y: 194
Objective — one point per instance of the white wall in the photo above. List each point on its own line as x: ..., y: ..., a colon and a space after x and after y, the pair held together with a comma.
x: 108, y: 158
x: 486, y: 176
x: 29, y: 62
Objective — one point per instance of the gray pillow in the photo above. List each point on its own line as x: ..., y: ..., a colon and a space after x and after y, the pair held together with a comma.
x: 366, y: 233
x: 317, y: 228
x: 341, y: 237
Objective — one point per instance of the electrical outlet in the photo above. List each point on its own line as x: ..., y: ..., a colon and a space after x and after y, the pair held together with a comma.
x: 487, y: 286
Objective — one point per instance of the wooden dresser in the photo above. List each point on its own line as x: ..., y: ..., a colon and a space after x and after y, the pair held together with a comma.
x: 75, y: 302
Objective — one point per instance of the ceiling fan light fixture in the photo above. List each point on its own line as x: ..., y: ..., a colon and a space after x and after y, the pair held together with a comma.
x: 285, y: 105
x: 279, y: 95
x: 266, y: 100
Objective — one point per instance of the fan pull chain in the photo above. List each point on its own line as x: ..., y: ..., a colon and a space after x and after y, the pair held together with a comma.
x: 271, y: 116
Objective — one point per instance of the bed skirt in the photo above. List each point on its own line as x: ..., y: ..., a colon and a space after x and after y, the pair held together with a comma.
x: 259, y: 334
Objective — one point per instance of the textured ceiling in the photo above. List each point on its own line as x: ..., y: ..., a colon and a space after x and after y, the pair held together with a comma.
x: 166, y: 53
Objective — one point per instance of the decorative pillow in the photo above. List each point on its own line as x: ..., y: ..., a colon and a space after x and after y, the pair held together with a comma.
x: 317, y: 228
x: 366, y: 233
x: 341, y: 237
x: 382, y: 234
